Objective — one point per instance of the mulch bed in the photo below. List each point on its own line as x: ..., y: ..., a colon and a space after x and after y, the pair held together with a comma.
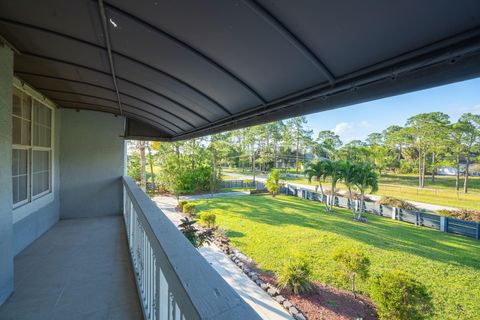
x: 327, y: 303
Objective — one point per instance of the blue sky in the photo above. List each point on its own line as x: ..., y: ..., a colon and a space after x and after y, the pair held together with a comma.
x: 357, y: 121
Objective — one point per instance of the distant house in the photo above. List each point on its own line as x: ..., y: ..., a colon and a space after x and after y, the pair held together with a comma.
x: 448, y: 171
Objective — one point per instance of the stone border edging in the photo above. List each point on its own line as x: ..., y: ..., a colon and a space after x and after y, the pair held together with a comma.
x: 241, y: 260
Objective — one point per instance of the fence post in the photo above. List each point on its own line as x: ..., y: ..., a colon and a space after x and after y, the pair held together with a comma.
x: 478, y: 231
x: 443, y: 224
x: 394, y: 213
x: 417, y: 218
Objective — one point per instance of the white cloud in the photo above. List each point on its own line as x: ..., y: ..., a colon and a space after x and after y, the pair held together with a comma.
x: 341, y: 128
x: 364, y: 124
x: 349, y: 131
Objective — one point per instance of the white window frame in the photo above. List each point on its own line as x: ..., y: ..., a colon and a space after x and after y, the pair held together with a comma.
x: 32, y: 202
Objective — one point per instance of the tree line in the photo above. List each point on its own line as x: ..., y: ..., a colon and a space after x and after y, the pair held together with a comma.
x: 425, y: 143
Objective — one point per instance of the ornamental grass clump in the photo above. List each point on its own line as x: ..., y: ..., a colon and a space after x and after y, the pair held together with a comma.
x: 400, y: 297
x: 295, y: 276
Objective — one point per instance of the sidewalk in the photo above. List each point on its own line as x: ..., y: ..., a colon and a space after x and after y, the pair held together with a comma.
x: 258, y: 299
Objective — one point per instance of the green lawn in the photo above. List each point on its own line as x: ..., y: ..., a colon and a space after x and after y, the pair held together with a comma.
x: 270, y: 229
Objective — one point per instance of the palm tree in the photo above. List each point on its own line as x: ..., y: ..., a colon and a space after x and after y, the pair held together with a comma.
x: 317, y: 170
x: 366, y: 177
x: 333, y: 169
x: 349, y: 176
x: 273, y: 182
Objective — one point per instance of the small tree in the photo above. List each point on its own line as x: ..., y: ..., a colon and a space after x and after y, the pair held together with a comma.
x: 295, y: 275
x: 273, y: 182
x: 354, y: 263
x: 400, y: 297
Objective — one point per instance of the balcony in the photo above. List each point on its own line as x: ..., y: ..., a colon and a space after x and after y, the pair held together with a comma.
x: 118, y: 268
x: 79, y: 269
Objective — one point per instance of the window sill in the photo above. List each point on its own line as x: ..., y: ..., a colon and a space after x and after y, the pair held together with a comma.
x: 25, y: 210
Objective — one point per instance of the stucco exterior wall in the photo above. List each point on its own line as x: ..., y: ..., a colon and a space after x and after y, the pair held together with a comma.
x: 43, y: 213
x: 91, y: 164
x: 6, y: 225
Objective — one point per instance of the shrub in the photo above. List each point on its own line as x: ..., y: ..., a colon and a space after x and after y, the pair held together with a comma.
x: 464, y: 214
x: 181, y: 203
x: 189, y: 209
x: 400, y: 297
x: 196, y: 237
x: 295, y: 275
x: 354, y: 264
x: 208, y: 218
x: 397, y: 203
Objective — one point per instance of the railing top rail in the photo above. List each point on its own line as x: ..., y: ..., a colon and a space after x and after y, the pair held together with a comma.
x: 207, y: 291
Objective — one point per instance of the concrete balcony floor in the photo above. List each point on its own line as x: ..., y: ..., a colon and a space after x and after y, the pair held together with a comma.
x: 79, y: 269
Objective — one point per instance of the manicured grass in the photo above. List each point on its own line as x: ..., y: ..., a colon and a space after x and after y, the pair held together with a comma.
x: 270, y: 229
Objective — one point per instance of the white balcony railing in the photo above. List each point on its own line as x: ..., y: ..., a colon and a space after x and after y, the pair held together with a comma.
x: 174, y: 281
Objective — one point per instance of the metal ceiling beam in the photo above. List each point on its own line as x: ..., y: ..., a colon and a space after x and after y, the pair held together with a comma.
x: 102, y: 72
x: 105, y: 88
x: 190, y: 48
x: 111, y: 110
x: 110, y: 100
x: 293, y: 39
x: 108, y: 44
x: 170, y: 76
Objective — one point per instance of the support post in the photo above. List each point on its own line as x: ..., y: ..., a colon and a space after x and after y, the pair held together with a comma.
x: 444, y: 224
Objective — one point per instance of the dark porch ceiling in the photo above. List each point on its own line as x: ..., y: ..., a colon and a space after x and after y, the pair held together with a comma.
x: 186, y: 68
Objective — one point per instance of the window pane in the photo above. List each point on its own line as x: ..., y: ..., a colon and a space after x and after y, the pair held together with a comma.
x: 40, y: 171
x: 17, y: 102
x: 16, y: 130
x: 26, y: 132
x: 15, y: 155
x: 22, y: 188
x: 15, y: 190
x: 41, y: 125
x: 19, y: 175
x: 27, y: 107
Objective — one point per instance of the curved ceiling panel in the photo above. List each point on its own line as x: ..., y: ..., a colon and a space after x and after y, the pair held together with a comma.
x: 181, y: 69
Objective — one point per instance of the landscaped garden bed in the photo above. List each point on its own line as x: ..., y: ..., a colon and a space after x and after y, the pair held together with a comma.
x: 270, y: 230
